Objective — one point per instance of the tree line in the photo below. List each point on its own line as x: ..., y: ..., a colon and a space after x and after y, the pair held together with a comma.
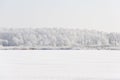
x: 57, y: 37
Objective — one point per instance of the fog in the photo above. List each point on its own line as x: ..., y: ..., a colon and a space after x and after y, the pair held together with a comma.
x: 100, y: 15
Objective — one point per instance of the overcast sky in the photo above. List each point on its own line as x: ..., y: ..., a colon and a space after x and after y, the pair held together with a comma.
x: 84, y: 14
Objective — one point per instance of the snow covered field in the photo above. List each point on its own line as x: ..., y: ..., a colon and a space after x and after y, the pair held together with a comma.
x: 59, y: 65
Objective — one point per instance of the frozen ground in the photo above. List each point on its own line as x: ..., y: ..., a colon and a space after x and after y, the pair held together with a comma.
x: 59, y: 65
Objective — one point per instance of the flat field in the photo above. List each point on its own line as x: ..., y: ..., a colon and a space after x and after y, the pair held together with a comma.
x: 59, y: 65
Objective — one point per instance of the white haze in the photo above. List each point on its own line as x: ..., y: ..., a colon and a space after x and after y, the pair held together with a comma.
x: 102, y: 15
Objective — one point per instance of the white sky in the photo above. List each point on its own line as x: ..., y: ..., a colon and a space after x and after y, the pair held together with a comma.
x: 84, y: 14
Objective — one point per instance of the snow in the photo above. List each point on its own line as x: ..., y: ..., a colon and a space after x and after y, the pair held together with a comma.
x: 53, y: 38
x: 59, y: 65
